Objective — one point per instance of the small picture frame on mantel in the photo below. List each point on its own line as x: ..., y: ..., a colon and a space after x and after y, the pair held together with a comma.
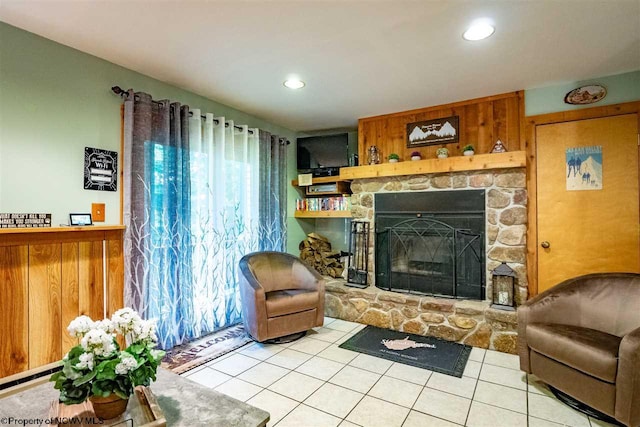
x: 80, y: 219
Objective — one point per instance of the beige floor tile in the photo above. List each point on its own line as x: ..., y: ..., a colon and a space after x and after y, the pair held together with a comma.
x: 552, y: 409
x: 483, y: 415
x: 372, y: 412
x: 235, y: 364
x: 472, y: 369
x: 537, y: 386
x: 261, y: 351
x: 326, y: 334
x: 289, y: 359
x: 463, y: 387
x: 396, y: 391
x: 263, y: 374
x: 355, y: 379
x: 338, y: 354
x: 409, y: 373
x: 504, y: 376
x: 371, y: 363
x: 336, y: 400
x: 208, y: 377
x: 418, y: 419
x: 296, y: 386
x: 276, y: 405
x: 477, y: 354
x: 319, y: 367
x: 443, y: 405
x: 327, y: 320
x: 308, y: 417
x: 537, y: 422
x: 501, y: 396
x: 239, y: 389
x: 343, y: 325
x: 309, y: 346
x: 221, y: 358
x: 345, y: 423
x: 511, y: 361
x: 344, y: 338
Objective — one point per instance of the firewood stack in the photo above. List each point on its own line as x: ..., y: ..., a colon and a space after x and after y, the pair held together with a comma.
x: 316, y: 251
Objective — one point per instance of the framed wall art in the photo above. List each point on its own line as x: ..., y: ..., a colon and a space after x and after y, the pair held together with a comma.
x: 100, y: 169
x: 433, y: 132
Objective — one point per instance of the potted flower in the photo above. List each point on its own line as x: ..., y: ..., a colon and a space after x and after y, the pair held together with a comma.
x: 468, y: 150
x: 96, y: 369
x: 393, y: 158
x: 416, y: 155
x: 442, y: 152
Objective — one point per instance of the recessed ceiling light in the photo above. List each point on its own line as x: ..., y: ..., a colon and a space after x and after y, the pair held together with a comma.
x: 479, y: 30
x: 294, y: 83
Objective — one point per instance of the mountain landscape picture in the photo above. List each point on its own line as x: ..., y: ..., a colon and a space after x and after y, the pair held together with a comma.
x: 584, y: 168
x: 432, y: 132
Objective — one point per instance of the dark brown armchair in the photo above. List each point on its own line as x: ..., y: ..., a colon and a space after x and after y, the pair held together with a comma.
x: 582, y: 337
x: 280, y: 294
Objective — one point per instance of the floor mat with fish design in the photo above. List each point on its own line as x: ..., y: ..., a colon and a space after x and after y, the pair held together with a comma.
x: 424, y: 352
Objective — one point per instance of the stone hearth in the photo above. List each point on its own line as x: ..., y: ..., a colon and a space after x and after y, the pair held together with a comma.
x: 470, y: 322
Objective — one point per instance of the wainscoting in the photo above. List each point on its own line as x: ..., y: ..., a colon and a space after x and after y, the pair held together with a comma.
x: 48, y: 276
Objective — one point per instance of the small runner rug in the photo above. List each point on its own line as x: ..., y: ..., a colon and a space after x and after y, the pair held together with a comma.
x: 187, y: 356
x: 424, y: 352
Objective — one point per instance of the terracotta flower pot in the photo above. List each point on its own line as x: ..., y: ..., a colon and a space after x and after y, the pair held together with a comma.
x: 108, y: 407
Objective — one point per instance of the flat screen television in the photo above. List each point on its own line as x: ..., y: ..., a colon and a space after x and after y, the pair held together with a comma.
x: 323, y: 155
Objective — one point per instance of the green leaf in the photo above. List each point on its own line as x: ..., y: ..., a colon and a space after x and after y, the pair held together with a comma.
x: 85, y: 378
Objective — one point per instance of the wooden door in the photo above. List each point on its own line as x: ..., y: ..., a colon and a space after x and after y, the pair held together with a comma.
x: 594, y: 230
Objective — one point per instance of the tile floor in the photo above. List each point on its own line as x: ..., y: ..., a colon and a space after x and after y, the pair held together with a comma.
x: 313, y: 382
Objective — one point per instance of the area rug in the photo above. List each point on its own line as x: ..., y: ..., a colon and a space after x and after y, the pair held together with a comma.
x: 185, y: 357
x: 424, y: 352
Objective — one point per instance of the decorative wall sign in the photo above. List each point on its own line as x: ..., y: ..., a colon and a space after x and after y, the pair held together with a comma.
x: 585, y: 95
x: 433, y: 132
x: 24, y: 220
x: 100, y: 169
x: 584, y: 168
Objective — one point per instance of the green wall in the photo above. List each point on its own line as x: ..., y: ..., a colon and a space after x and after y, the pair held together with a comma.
x: 54, y: 101
x: 620, y: 88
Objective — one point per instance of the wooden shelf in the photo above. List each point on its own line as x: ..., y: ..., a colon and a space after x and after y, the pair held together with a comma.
x: 321, y: 180
x: 322, y: 214
x: 60, y: 229
x: 513, y: 159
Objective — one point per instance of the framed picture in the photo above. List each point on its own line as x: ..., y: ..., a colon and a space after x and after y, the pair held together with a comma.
x: 433, y: 132
x: 100, y: 169
x: 80, y: 219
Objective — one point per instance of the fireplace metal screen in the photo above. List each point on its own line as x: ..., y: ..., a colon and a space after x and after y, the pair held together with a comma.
x: 436, y: 251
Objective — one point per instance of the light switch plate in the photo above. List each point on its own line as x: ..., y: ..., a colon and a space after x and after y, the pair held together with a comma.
x: 97, y: 212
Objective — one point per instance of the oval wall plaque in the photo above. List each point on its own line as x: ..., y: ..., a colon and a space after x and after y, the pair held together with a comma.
x: 585, y: 95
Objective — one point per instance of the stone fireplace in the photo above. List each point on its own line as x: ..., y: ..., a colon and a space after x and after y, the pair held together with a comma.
x: 439, y: 307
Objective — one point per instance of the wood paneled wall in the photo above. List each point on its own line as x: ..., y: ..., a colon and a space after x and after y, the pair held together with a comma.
x: 48, y: 278
x: 482, y: 122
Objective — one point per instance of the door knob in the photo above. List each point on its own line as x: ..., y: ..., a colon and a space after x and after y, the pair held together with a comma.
x: 545, y: 244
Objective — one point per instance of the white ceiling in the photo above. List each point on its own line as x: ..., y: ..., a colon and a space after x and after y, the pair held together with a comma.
x: 358, y: 58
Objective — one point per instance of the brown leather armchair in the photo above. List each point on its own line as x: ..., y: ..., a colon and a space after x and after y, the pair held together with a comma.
x: 281, y: 295
x: 582, y: 337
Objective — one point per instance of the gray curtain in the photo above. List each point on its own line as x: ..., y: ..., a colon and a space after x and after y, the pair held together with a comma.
x: 157, y: 203
x: 273, y: 193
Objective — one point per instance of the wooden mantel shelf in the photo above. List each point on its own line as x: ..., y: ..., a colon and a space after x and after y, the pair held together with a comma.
x: 513, y: 159
x: 60, y: 229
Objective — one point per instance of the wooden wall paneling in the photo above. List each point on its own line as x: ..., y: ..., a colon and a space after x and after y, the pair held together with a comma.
x: 45, y: 316
x: 115, y: 276
x: 482, y: 122
x: 90, y: 279
x: 69, y: 280
x: 14, y: 312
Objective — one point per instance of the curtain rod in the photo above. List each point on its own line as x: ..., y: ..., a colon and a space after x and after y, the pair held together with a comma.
x: 123, y: 93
